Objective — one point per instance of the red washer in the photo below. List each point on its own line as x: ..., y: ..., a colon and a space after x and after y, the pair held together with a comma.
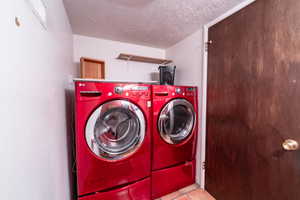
x: 136, y: 191
x: 171, y: 179
x: 175, y: 127
x: 112, y: 138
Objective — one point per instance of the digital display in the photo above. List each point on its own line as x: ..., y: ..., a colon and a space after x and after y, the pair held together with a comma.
x: 190, y: 89
x: 140, y: 88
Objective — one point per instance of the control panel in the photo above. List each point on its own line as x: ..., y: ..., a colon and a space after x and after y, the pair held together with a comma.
x: 162, y: 91
x: 190, y: 91
x: 91, y: 90
x: 185, y: 91
x: 132, y: 91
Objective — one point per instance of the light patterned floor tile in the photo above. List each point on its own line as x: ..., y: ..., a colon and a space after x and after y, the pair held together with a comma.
x: 200, y: 194
x: 189, y: 188
x: 192, y: 192
x: 184, y: 197
x: 171, y: 196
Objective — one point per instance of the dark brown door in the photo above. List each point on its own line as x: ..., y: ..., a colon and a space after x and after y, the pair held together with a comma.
x: 254, y: 103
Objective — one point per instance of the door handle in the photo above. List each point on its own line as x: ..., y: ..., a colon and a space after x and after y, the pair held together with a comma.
x: 161, y: 93
x: 90, y: 93
x: 290, y: 145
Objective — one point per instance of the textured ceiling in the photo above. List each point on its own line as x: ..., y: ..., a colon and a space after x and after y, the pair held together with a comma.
x: 157, y: 23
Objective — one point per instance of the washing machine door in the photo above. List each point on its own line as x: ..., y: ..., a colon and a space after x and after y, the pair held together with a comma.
x: 176, y: 121
x: 115, y: 130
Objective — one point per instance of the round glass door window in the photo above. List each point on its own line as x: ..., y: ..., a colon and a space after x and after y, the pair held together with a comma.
x: 115, y: 130
x: 176, y: 121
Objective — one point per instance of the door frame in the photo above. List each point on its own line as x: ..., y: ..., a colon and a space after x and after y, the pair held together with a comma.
x: 203, y: 99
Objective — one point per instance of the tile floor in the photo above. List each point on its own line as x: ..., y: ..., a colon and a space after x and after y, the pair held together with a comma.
x: 192, y: 192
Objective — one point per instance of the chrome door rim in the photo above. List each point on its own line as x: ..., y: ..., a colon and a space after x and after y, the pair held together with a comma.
x: 163, y: 116
x: 131, y: 148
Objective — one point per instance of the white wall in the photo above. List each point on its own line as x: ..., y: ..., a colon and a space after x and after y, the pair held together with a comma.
x: 35, y: 64
x: 108, y: 51
x: 187, y: 56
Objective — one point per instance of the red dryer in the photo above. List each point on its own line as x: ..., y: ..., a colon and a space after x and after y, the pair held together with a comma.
x: 113, y: 141
x: 174, y: 137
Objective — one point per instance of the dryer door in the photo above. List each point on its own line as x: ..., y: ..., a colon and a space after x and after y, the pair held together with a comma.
x: 176, y: 121
x: 115, y: 130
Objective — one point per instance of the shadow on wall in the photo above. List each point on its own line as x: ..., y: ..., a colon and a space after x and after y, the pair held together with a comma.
x: 154, y: 76
x: 78, y: 68
x: 70, y: 134
x: 179, y: 78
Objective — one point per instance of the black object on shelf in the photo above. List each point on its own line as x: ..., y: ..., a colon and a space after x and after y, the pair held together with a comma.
x: 166, y: 75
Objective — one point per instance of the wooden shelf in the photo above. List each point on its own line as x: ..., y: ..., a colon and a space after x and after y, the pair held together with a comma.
x: 136, y: 58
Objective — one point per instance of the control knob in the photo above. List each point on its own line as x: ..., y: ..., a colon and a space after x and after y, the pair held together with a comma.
x: 118, y: 90
x: 178, y: 90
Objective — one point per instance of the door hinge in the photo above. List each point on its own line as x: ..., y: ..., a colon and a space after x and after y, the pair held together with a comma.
x: 207, y: 45
x: 203, y: 165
